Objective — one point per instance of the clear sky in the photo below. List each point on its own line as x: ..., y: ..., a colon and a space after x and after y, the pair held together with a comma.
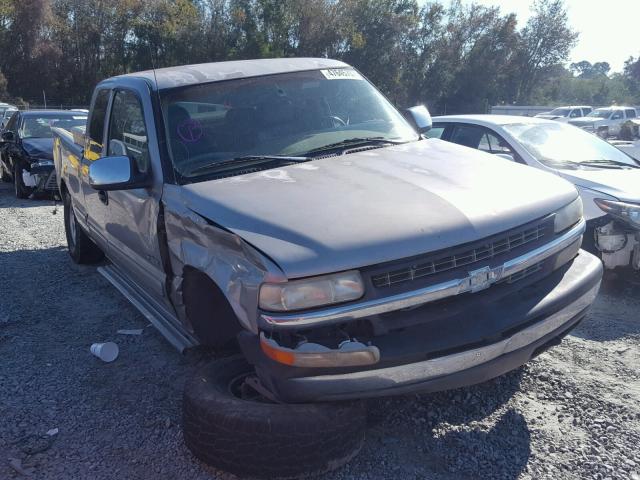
x: 609, y: 29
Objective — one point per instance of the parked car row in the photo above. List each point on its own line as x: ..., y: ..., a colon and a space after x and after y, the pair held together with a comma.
x: 605, y: 122
x: 26, y: 149
x: 284, y: 210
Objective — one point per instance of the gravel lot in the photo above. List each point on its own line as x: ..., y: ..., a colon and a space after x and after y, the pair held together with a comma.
x: 572, y: 413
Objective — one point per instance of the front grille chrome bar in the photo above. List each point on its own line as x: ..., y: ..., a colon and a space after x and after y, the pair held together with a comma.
x: 476, y: 280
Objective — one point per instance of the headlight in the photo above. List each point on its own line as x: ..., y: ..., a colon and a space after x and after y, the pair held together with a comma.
x: 311, y: 292
x: 568, y: 216
x: 42, y: 163
x: 627, y: 212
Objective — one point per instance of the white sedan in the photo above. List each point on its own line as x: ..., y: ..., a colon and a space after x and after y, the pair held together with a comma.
x: 608, y: 180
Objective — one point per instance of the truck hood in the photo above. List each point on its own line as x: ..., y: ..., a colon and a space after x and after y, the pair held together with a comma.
x: 622, y: 184
x: 547, y: 116
x: 365, y: 208
x: 582, y: 121
x: 39, y: 148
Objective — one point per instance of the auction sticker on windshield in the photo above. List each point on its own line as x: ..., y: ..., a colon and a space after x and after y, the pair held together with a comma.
x: 341, y: 74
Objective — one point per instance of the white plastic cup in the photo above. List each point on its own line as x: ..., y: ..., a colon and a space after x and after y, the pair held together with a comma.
x: 107, y: 352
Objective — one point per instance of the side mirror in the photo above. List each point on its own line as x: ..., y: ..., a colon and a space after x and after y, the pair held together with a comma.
x: 117, y: 173
x: 419, y: 118
x: 506, y: 156
x: 8, y: 137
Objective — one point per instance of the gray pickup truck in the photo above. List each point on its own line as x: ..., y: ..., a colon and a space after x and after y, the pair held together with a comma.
x: 286, y: 211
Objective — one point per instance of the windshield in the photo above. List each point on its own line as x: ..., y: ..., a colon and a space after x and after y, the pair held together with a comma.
x: 560, y: 112
x: 551, y: 143
x: 600, y: 113
x: 286, y: 114
x: 40, y: 126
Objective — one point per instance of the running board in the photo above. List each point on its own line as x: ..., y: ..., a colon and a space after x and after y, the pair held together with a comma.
x: 160, y: 317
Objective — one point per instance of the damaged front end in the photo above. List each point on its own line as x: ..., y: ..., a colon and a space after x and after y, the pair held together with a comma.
x: 41, y: 177
x: 618, y: 240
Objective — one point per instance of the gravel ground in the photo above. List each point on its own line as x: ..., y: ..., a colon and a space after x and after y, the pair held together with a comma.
x: 572, y: 413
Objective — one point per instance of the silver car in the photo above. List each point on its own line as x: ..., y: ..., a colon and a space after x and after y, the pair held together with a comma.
x: 607, y: 179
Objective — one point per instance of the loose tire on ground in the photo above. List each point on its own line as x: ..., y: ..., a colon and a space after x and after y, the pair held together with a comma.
x: 81, y: 249
x: 264, y: 439
x: 22, y: 191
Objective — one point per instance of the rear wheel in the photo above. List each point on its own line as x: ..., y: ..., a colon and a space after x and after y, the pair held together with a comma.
x: 230, y: 426
x: 22, y: 191
x: 81, y: 249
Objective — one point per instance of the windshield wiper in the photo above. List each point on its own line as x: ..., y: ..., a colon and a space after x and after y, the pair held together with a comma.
x: 599, y: 163
x: 353, y: 142
x: 248, y: 159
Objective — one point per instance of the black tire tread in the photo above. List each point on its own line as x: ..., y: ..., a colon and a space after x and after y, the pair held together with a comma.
x: 84, y: 251
x: 265, y: 439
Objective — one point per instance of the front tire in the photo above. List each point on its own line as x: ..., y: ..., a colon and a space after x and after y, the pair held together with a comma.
x: 21, y: 190
x: 253, y: 437
x: 81, y: 248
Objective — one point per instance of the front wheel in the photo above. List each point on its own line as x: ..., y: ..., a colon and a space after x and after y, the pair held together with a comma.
x: 81, y: 249
x: 230, y: 426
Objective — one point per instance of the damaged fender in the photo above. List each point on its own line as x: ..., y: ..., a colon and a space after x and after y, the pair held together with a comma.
x: 234, y: 266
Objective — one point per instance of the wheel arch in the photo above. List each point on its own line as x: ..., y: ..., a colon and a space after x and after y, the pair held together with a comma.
x: 208, y: 309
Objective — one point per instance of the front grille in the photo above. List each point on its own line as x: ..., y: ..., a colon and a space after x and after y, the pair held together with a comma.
x: 51, y: 183
x: 522, y: 274
x: 489, y: 250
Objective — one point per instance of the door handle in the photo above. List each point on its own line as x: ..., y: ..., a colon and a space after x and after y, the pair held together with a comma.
x: 104, y: 198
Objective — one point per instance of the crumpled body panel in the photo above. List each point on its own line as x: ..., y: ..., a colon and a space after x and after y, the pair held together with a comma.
x: 236, y: 267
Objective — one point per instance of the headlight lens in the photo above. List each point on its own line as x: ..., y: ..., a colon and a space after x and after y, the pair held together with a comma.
x: 42, y: 163
x: 568, y: 216
x: 311, y: 292
x: 628, y: 212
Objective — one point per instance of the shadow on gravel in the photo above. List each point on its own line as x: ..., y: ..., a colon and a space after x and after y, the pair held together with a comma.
x: 444, y: 439
x: 609, y: 317
x: 9, y: 200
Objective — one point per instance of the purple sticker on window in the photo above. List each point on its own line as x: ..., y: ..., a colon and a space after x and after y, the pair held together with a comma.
x: 190, y: 131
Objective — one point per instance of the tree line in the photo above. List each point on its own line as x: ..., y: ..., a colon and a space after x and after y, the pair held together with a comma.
x: 454, y: 57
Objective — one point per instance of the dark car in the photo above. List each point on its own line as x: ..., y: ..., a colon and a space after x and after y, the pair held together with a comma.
x: 26, y: 149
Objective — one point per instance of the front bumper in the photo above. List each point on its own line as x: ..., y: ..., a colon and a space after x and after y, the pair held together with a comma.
x: 42, y: 178
x: 538, y: 316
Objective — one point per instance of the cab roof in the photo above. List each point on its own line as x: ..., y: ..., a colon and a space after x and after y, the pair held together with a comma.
x: 218, y: 71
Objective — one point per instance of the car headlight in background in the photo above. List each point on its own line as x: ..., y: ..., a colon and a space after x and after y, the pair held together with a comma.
x: 568, y: 216
x: 627, y: 212
x: 311, y: 292
x: 42, y: 163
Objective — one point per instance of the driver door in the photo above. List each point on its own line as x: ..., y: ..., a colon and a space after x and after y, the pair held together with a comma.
x: 132, y: 215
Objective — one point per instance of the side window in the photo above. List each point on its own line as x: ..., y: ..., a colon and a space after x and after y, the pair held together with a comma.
x: 575, y: 113
x: 434, y: 132
x: 127, y: 131
x: 467, y: 135
x: 96, y: 125
x: 586, y: 111
x: 616, y: 115
x: 498, y: 145
x: 631, y: 113
x: 11, y: 126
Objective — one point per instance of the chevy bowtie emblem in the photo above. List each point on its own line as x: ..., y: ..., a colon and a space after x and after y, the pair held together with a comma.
x: 481, y: 279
